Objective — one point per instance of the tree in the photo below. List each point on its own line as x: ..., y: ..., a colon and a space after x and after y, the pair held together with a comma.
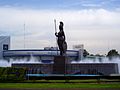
x: 113, y: 54
x: 85, y: 53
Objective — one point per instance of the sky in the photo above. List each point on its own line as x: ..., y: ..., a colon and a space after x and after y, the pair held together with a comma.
x: 30, y: 23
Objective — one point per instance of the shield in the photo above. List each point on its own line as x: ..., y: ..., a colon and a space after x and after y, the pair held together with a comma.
x: 64, y: 47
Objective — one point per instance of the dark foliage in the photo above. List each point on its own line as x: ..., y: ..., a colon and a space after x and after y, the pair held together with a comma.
x: 85, y: 53
x: 10, y: 74
x: 113, y: 54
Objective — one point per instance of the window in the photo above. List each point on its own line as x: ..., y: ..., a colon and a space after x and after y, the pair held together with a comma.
x: 5, y: 47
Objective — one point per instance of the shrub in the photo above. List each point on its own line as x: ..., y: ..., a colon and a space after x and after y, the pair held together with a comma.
x: 9, y: 74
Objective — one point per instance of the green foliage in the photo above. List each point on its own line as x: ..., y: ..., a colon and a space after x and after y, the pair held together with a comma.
x: 85, y: 53
x: 11, y: 74
x: 58, y: 85
x: 113, y: 54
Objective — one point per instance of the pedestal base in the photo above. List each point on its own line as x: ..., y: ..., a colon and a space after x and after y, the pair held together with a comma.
x: 59, y: 66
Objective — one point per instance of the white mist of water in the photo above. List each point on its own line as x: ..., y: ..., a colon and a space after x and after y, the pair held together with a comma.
x: 8, y: 63
x: 97, y: 60
x: 4, y: 63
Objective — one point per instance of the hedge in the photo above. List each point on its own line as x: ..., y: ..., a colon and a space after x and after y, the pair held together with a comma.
x: 8, y: 74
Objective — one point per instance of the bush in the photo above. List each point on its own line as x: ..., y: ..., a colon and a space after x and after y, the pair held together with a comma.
x: 9, y: 74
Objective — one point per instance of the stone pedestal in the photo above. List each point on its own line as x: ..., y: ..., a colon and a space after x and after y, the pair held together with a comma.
x: 59, y: 66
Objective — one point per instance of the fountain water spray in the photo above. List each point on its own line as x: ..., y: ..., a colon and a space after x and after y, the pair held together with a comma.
x: 103, y: 60
x: 6, y: 63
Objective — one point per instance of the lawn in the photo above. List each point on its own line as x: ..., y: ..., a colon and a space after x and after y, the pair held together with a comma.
x: 59, y: 85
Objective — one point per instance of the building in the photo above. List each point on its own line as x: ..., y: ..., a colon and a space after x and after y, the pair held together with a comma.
x: 39, y: 54
x: 4, y: 44
x: 46, y: 55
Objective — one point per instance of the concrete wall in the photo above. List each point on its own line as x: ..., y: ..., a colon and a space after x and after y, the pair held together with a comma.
x: 82, y: 68
x: 93, y: 68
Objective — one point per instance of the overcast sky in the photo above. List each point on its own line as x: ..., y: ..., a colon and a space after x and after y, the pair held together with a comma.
x: 94, y: 23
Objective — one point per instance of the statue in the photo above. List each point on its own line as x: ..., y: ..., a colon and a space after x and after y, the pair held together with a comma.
x: 61, y: 40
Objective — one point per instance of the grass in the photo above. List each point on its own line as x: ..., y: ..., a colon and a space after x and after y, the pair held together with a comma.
x: 59, y: 85
x: 72, y: 81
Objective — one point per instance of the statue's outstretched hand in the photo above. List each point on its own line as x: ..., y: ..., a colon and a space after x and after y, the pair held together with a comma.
x: 56, y: 34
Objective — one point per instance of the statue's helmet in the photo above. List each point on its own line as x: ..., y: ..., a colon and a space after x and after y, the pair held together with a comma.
x: 61, y: 23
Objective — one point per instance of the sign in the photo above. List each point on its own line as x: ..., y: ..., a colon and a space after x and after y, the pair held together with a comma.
x: 5, y: 46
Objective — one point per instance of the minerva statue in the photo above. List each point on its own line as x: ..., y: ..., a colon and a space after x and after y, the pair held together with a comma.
x: 61, y: 40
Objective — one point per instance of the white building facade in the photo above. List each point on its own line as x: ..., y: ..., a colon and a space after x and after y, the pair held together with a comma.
x: 4, y: 44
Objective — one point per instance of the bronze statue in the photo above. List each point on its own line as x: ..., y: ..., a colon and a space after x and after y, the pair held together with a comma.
x: 61, y: 40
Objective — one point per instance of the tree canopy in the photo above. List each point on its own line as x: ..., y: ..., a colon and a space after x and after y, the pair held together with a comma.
x: 85, y: 53
x: 113, y: 54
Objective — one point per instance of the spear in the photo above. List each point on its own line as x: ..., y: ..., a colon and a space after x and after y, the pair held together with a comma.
x: 55, y: 25
x: 56, y: 32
